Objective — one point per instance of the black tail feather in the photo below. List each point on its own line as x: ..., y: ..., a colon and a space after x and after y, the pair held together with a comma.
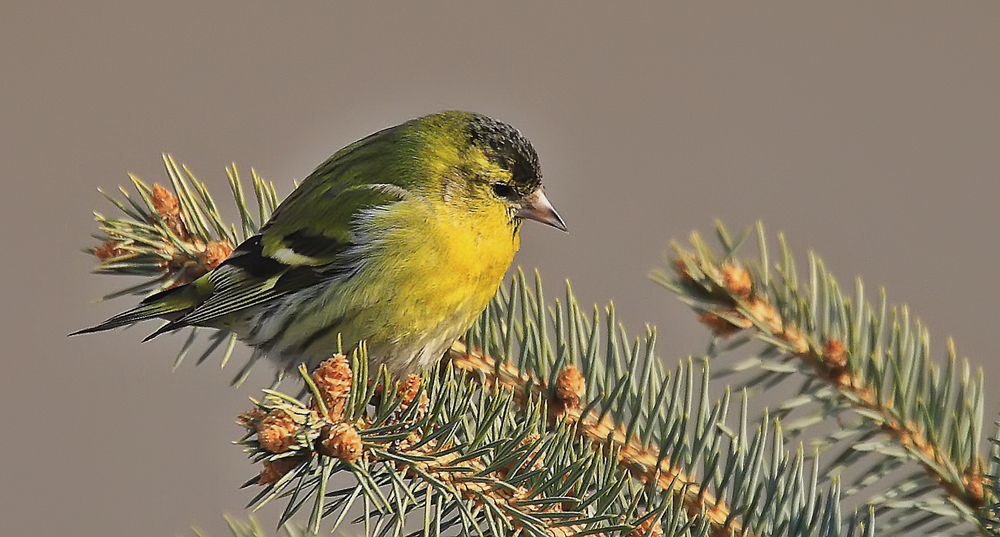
x: 169, y: 327
x: 167, y: 304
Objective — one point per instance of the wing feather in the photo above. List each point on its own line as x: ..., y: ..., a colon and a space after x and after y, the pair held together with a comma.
x: 310, y: 238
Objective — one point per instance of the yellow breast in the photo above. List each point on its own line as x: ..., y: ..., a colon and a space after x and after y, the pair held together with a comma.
x: 429, y: 273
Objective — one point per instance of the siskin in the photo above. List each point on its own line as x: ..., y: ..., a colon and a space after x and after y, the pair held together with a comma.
x: 399, y: 240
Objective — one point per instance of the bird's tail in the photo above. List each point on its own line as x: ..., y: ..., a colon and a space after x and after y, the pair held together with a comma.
x: 170, y: 304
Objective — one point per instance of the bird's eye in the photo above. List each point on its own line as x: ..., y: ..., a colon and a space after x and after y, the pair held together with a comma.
x: 503, y: 190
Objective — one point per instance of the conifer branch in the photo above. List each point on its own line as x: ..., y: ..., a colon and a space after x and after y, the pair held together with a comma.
x: 570, y: 428
x: 642, y: 462
x: 887, y: 380
x: 443, y: 442
x: 664, y: 429
x: 172, y: 238
x: 990, y: 515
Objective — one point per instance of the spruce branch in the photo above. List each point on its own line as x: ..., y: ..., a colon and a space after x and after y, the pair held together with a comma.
x: 665, y: 430
x: 641, y: 461
x: 172, y: 238
x: 437, y: 439
x: 489, y: 454
x: 990, y: 518
x: 543, y: 420
x: 851, y: 358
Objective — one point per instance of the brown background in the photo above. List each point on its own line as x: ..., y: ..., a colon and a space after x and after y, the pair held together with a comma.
x: 868, y: 133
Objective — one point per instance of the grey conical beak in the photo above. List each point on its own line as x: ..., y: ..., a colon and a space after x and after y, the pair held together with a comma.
x: 537, y: 207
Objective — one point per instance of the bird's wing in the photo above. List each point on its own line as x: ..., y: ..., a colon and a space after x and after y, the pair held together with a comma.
x: 310, y: 238
x: 287, y: 257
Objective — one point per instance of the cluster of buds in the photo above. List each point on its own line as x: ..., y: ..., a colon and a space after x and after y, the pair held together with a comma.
x: 291, y: 434
x: 478, y: 488
x: 206, y: 254
x: 177, y: 251
x: 739, y: 305
x: 567, y: 394
x: 201, y: 257
x: 285, y: 433
x: 288, y: 434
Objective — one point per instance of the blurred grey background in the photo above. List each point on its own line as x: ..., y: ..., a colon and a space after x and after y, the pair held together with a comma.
x: 866, y: 132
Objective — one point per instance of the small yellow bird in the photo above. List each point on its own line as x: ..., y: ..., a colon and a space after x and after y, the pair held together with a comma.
x: 399, y: 239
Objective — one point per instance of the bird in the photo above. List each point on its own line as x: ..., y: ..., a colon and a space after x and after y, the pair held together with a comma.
x: 399, y: 240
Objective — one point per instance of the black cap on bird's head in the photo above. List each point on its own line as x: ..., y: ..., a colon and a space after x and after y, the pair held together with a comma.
x: 513, y: 152
x: 510, y: 150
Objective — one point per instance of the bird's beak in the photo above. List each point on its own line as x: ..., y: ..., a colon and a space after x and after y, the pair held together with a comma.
x: 537, y: 207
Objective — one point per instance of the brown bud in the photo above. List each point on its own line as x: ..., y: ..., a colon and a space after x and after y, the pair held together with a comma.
x: 570, y: 386
x: 407, y: 391
x: 215, y: 253
x: 251, y: 418
x: 333, y: 379
x: 342, y: 442
x: 164, y: 202
x: 274, y: 470
x: 795, y: 338
x: 682, y: 270
x: 109, y: 250
x: 276, y: 432
x: 765, y: 313
x: 720, y: 326
x: 737, y: 280
x: 973, y: 481
x: 175, y: 224
x: 834, y: 354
